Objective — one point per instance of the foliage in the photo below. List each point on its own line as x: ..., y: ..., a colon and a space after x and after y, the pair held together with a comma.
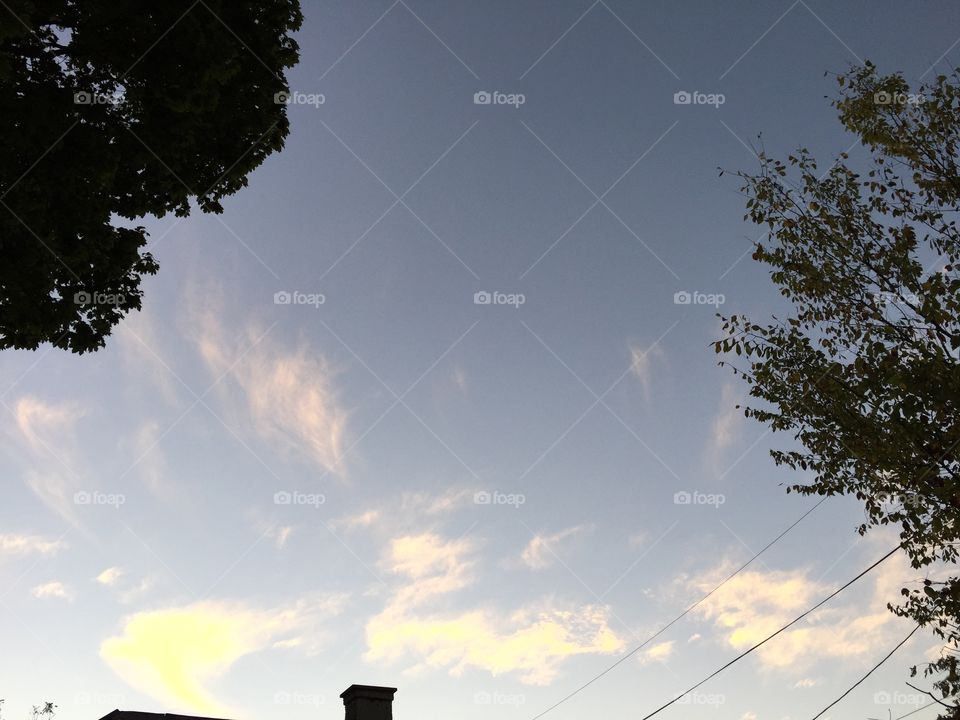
x: 110, y: 110
x: 865, y: 372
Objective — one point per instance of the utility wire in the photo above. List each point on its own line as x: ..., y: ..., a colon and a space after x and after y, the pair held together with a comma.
x: 773, y: 635
x: 869, y: 673
x: 679, y: 617
x: 914, y: 712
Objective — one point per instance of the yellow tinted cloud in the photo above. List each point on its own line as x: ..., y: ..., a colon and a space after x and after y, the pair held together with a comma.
x: 533, y: 641
x: 172, y: 654
x: 756, y: 603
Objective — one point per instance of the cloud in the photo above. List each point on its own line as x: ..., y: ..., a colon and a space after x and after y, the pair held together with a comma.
x: 540, y: 552
x: 46, y: 438
x: 532, y: 641
x: 359, y: 520
x: 288, y: 393
x: 110, y: 576
x: 660, y: 652
x: 139, y: 350
x: 134, y: 593
x: 755, y: 603
x: 172, y: 654
x: 149, y: 458
x: 29, y: 544
x: 726, y: 425
x: 641, y: 365
x: 53, y: 589
x: 412, y: 510
x: 280, y: 536
x: 37, y: 420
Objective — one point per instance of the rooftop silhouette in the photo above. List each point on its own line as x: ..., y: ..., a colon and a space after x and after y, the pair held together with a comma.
x: 360, y: 702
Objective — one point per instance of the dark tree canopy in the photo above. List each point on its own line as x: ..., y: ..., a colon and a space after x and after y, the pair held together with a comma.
x: 115, y: 109
x: 864, y: 372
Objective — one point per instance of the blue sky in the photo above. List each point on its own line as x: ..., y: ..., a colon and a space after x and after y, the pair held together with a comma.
x: 242, y: 505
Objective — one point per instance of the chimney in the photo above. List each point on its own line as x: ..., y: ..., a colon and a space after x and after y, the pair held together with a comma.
x: 368, y: 702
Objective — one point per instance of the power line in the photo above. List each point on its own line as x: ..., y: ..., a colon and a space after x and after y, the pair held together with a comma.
x: 770, y: 637
x: 681, y: 615
x: 869, y: 673
x: 914, y: 712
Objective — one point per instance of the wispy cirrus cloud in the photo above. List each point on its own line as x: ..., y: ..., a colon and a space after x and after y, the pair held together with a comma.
x: 541, y: 551
x: 288, y: 393
x: 726, y: 425
x: 532, y: 641
x: 45, y: 436
x: 642, y: 362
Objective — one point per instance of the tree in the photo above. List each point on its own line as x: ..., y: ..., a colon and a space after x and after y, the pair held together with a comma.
x: 112, y: 110
x: 864, y: 371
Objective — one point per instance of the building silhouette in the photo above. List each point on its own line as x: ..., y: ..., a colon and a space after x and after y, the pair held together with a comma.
x: 360, y: 702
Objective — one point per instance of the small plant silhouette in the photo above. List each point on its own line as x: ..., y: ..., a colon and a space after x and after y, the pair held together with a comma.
x: 44, y: 711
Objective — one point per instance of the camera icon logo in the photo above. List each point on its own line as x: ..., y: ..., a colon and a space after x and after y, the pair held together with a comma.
x: 682, y: 498
x: 482, y: 698
x: 882, y: 98
x: 482, y: 98
x: 81, y: 498
x: 82, y: 298
x: 83, y: 98
x: 682, y: 297
x: 482, y: 498
x: 281, y: 98
x: 482, y: 297
x: 282, y: 297
x: 882, y: 698
x: 682, y: 97
x: 282, y: 498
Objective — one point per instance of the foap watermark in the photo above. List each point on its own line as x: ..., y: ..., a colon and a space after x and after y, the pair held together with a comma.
x: 295, y: 497
x: 295, y: 297
x: 496, y: 698
x: 699, y: 698
x: 698, y: 498
x: 902, y: 500
x: 898, y: 698
x: 484, y: 297
x: 85, y: 97
x: 898, y: 98
x: 285, y: 697
x: 484, y: 497
x: 95, y: 497
x: 98, y: 298
x: 685, y: 97
x: 483, y: 97
x: 682, y: 297
x: 886, y: 298
x: 102, y: 699
x: 295, y: 97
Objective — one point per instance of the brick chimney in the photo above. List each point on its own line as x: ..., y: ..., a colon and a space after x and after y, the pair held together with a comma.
x: 368, y: 702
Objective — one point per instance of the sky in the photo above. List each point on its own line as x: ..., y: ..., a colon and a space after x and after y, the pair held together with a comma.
x: 425, y: 407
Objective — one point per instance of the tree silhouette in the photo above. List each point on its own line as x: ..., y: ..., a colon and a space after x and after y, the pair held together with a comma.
x: 865, y: 371
x: 112, y: 110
